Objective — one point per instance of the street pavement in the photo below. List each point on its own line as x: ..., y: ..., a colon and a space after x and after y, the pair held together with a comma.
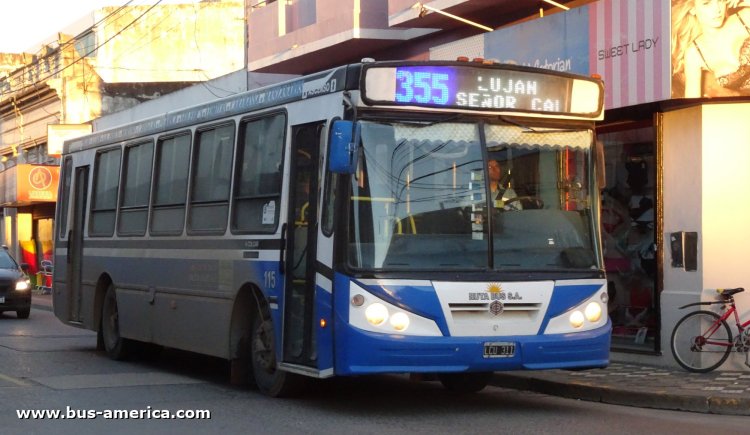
x: 718, y: 392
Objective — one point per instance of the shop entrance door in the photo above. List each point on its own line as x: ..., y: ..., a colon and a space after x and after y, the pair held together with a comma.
x: 630, y: 223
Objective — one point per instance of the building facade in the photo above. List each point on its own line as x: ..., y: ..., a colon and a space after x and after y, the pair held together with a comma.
x: 675, y: 152
x: 113, y: 59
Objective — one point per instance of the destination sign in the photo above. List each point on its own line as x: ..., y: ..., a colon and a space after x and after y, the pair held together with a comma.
x: 489, y: 88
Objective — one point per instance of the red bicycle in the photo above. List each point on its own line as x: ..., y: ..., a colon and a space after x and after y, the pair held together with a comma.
x: 702, y: 340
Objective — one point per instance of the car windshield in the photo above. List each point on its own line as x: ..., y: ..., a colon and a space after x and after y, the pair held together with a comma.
x: 466, y: 196
x: 6, y: 261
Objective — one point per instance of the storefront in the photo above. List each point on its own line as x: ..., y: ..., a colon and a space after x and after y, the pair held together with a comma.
x: 672, y: 206
x: 28, y: 199
x: 628, y: 221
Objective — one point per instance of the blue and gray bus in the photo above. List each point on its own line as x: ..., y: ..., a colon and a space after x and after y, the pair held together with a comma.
x: 346, y: 223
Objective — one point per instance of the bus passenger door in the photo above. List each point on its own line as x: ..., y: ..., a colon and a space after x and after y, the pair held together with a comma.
x: 302, y: 224
x: 75, y: 243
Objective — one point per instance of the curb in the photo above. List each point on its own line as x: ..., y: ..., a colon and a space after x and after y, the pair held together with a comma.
x: 641, y: 399
x: 40, y: 306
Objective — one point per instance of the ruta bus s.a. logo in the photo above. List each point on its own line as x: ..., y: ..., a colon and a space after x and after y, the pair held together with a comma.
x: 40, y: 178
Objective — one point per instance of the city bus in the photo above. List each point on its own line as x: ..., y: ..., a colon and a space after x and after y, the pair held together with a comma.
x: 346, y: 223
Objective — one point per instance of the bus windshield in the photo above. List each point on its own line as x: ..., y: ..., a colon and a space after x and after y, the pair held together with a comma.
x: 469, y: 196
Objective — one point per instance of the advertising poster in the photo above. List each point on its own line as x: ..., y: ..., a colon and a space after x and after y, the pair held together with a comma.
x: 630, y: 50
x: 710, y: 48
x: 626, y: 42
x: 558, y: 42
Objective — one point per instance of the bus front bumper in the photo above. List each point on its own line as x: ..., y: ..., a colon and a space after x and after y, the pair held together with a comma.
x: 369, y: 353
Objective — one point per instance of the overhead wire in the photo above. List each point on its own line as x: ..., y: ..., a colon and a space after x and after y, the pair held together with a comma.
x: 81, y: 35
x: 203, y: 5
x: 37, y: 82
x: 196, y: 9
x: 71, y: 41
x: 74, y: 39
x: 206, y: 85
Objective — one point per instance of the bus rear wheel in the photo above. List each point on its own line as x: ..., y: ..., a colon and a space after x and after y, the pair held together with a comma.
x: 465, y: 382
x: 270, y: 380
x: 117, y: 347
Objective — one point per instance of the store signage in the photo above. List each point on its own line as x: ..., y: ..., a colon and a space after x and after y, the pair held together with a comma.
x: 36, y: 183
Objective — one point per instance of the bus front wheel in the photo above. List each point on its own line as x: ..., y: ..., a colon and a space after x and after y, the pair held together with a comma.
x: 269, y: 378
x: 465, y: 382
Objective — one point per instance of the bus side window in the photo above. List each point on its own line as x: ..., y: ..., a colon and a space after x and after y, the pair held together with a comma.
x: 257, y: 192
x: 136, y: 187
x: 329, y: 202
x: 106, y: 184
x: 170, y: 185
x: 209, y: 203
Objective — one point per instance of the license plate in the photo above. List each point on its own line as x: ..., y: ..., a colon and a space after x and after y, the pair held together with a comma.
x: 2, y: 299
x: 499, y: 350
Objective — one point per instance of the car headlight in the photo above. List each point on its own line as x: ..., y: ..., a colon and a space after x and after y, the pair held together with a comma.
x: 23, y: 284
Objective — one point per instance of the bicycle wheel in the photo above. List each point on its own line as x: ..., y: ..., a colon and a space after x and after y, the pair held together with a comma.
x: 701, y: 341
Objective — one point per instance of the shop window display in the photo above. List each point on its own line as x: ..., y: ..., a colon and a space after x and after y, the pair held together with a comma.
x: 628, y: 224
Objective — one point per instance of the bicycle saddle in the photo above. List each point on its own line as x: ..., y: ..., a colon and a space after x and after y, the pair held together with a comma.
x: 726, y: 292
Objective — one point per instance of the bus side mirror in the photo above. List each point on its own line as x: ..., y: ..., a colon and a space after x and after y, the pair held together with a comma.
x: 601, y: 176
x: 343, y: 147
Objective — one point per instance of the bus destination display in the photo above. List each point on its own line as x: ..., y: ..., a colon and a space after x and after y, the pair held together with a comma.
x: 482, y: 88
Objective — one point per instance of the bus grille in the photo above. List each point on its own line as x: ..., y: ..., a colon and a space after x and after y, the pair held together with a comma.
x: 479, y: 319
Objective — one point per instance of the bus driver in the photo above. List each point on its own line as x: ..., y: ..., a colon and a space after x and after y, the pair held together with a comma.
x: 502, y: 194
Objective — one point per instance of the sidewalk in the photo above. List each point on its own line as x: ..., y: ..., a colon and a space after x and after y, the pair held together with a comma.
x: 641, y: 386
x: 621, y: 384
x: 41, y: 302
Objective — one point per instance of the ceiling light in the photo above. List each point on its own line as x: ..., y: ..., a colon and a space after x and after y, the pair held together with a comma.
x: 423, y: 9
x: 554, y: 3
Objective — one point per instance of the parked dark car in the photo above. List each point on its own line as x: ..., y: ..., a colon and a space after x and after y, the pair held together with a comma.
x: 15, y: 287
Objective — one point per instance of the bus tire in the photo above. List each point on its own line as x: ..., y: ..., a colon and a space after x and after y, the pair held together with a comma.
x: 465, y: 382
x: 117, y: 347
x: 270, y: 380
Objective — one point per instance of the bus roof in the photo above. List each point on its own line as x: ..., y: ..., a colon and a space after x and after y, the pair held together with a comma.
x: 379, y: 89
x: 330, y: 81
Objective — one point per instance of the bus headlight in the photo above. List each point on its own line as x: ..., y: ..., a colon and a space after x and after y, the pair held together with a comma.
x: 376, y: 313
x: 593, y: 311
x: 368, y: 312
x: 400, y: 321
x: 589, y: 314
x: 23, y: 284
x: 576, y: 319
